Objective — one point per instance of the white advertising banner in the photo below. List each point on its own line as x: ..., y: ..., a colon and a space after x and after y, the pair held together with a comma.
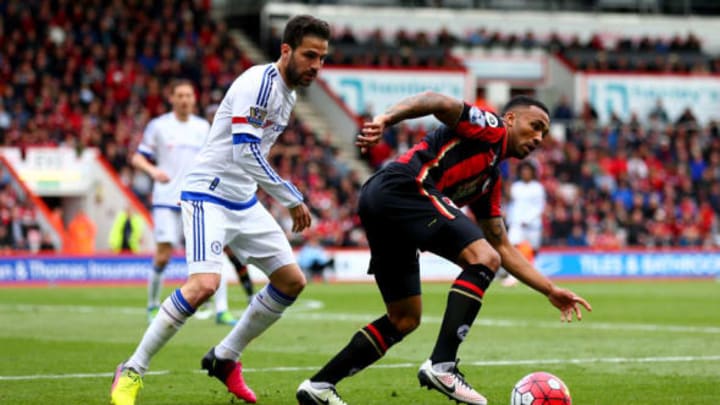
x: 54, y: 171
x: 518, y: 69
x: 625, y: 94
x: 375, y: 90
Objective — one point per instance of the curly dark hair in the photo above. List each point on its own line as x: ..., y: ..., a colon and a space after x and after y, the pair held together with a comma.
x: 301, y: 26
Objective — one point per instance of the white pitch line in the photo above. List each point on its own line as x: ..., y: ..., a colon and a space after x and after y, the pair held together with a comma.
x: 488, y: 363
x: 501, y: 363
x: 324, y: 316
x: 65, y: 376
x: 312, y: 305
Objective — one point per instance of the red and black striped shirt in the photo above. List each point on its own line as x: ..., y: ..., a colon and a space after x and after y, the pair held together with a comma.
x: 462, y: 163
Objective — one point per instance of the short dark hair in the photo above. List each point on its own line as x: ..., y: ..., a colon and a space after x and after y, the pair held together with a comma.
x: 303, y: 25
x: 524, y: 101
x: 180, y: 82
x: 523, y: 164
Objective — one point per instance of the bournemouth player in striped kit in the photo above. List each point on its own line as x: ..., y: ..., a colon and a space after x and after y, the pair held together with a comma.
x: 412, y: 204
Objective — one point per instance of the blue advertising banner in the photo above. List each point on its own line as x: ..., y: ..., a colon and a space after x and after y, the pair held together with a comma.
x: 351, y: 265
x: 53, y: 269
x: 624, y: 264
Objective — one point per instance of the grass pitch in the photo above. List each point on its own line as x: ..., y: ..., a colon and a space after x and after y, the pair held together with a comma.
x: 645, y: 343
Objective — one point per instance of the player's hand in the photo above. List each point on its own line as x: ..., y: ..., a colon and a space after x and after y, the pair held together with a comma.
x: 160, y: 176
x: 301, y: 217
x: 567, y: 302
x: 371, y: 133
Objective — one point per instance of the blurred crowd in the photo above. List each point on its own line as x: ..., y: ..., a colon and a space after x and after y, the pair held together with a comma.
x: 600, y: 52
x: 642, y: 183
x: 92, y: 74
x: 19, y: 227
x: 648, y: 181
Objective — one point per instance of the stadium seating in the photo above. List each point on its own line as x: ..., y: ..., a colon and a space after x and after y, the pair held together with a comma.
x: 94, y: 77
x: 622, y: 184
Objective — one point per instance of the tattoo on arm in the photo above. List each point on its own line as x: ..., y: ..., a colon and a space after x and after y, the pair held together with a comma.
x: 446, y: 109
x: 494, y: 230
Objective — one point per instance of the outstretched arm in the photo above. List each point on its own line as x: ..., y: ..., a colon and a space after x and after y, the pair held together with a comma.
x: 139, y: 161
x: 446, y: 109
x: 515, y: 263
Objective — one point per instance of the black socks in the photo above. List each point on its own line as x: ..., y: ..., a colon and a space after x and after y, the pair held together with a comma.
x: 463, y: 304
x: 367, y: 346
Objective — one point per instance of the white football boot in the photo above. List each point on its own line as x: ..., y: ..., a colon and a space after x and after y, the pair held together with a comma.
x: 451, y: 383
x: 309, y: 395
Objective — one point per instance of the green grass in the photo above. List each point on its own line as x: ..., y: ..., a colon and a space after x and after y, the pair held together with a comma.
x: 645, y: 343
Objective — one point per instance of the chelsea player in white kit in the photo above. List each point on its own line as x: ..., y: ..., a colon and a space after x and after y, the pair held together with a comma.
x: 169, y: 144
x: 219, y: 208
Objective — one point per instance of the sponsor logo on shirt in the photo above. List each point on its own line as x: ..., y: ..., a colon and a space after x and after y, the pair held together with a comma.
x: 476, y: 117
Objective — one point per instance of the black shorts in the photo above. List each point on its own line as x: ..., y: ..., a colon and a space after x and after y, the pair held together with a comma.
x: 400, y: 220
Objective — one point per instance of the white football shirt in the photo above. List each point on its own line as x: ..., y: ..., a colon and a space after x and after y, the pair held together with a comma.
x: 254, y: 112
x: 527, y: 202
x: 172, y: 144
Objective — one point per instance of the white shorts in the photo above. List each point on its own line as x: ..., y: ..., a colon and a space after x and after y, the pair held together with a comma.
x: 252, y: 234
x: 167, y: 224
x: 531, y: 234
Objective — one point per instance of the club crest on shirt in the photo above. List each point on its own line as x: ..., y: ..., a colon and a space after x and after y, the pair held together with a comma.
x: 491, y: 119
x: 256, y: 116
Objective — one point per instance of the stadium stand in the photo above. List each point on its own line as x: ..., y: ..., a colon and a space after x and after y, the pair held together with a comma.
x: 623, y: 184
x: 643, y: 182
x: 93, y: 76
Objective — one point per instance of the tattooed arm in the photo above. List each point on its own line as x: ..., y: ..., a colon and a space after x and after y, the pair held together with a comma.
x: 514, y: 262
x: 446, y: 109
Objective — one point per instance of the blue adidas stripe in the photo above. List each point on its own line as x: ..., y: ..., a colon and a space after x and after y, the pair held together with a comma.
x: 181, y: 303
x: 243, y: 138
x: 293, y: 190
x: 196, y: 232
x: 264, y: 164
x: 202, y: 229
x: 278, y: 296
x: 195, y: 197
x: 268, y: 90
x: 263, y: 83
x: 271, y: 173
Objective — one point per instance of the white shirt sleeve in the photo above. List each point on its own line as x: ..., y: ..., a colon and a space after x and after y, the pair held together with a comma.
x: 148, y: 145
x: 249, y: 117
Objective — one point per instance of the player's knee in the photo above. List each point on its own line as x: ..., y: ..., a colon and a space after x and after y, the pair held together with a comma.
x: 405, y: 323
x: 289, y: 280
x: 161, y: 260
x: 206, y: 290
x: 162, y: 256
x: 160, y: 265
x: 296, y: 286
x: 481, y: 252
x: 291, y: 286
x: 199, y: 289
x: 493, y: 260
